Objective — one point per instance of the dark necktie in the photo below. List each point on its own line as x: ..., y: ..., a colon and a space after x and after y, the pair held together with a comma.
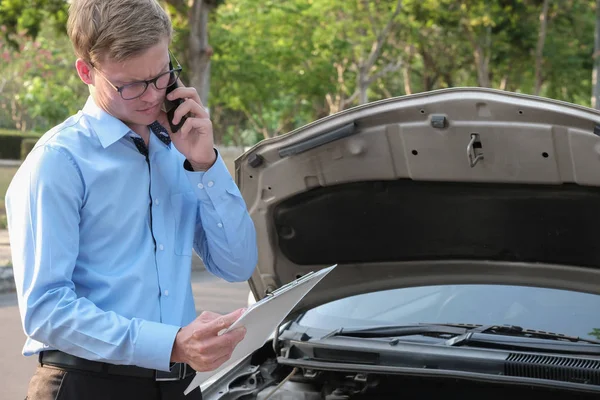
x: 160, y: 133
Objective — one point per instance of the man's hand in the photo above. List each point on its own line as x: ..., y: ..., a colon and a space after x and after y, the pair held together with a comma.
x: 195, y: 137
x: 200, y: 345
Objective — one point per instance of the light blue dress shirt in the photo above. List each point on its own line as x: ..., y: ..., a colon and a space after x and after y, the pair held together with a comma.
x: 102, y: 240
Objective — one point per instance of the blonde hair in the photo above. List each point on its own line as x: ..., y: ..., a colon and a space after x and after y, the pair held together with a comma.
x: 116, y: 29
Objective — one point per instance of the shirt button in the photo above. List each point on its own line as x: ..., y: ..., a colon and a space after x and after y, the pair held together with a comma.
x: 166, y: 292
x: 200, y: 186
x: 220, y: 225
x: 157, y: 201
x: 161, y: 247
x: 210, y: 184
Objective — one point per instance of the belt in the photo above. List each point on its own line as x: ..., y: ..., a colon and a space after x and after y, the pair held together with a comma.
x: 59, y: 359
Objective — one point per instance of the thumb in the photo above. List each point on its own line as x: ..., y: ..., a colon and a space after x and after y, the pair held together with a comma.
x: 217, y: 325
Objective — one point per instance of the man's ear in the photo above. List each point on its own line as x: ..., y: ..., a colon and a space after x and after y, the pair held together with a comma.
x: 84, y: 70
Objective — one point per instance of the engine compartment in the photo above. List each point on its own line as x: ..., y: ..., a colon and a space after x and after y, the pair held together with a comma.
x: 325, y: 385
x: 270, y: 381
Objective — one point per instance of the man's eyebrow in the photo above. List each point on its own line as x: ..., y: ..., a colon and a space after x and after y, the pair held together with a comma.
x: 165, y: 68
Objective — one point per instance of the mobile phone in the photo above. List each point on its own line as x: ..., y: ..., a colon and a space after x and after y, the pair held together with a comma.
x: 171, y: 106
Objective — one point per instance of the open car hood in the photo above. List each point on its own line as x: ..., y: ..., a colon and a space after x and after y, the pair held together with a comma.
x: 463, y: 185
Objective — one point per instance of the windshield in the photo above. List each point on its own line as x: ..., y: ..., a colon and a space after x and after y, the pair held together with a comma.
x: 551, y: 310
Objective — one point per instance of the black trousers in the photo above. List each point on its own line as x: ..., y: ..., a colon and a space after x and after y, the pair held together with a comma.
x: 53, y: 383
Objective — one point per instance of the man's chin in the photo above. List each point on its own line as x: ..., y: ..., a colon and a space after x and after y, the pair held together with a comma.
x: 143, y: 118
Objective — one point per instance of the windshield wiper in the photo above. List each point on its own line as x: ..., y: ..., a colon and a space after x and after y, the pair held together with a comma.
x: 403, y: 330
x: 462, y: 333
x: 513, y: 331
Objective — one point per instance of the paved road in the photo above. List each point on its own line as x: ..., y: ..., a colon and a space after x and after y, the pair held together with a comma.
x: 210, y: 293
x: 4, y: 248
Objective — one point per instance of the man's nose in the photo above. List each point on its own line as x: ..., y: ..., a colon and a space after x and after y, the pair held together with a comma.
x: 152, y: 94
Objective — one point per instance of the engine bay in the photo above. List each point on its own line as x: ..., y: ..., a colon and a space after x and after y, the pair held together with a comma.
x: 340, y: 386
x: 268, y: 380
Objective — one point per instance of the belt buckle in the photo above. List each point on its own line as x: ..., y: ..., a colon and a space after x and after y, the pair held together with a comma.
x: 176, y: 373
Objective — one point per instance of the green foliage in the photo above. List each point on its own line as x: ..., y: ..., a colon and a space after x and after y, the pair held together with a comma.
x: 279, y: 65
x: 6, y: 176
x: 13, y: 132
x: 28, y: 16
x: 39, y: 86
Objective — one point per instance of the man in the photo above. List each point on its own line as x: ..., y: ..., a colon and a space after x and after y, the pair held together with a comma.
x: 103, y: 216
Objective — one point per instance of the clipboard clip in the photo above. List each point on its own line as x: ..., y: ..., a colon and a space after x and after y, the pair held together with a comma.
x: 289, y: 285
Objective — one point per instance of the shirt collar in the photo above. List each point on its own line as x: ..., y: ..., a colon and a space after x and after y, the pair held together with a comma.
x: 108, y: 128
x: 161, y: 133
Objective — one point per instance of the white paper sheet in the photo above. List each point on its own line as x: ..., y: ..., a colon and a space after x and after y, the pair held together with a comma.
x: 263, y: 317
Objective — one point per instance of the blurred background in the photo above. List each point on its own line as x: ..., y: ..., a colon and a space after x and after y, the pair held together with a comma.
x: 266, y: 67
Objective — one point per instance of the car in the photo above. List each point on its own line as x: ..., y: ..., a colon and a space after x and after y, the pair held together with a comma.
x: 251, y: 299
x: 465, y: 227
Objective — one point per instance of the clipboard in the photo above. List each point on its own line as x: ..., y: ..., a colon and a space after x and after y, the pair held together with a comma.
x: 262, y: 318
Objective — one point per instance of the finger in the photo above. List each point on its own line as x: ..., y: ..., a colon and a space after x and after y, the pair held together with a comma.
x: 207, y: 316
x: 224, y: 321
x: 215, y: 346
x: 212, y: 348
x: 190, y: 91
x: 189, y: 94
x: 212, y: 328
x: 202, y: 125
x: 236, y: 335
x: 240, y: 311
x: 189, y: 108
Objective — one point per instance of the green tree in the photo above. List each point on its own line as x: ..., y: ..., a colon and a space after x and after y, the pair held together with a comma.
x: 39, y: 86
x: 28, y: 16
x: 262, y: 66
x: 275, y: 66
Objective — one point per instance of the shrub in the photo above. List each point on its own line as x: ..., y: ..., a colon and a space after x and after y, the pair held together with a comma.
x: 10, y: 143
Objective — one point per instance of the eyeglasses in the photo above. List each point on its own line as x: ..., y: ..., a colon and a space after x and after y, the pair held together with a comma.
x: 134, y: 90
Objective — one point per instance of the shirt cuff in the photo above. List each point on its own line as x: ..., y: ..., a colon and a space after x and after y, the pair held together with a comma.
x: 154, y: 345
x: 212, y: 183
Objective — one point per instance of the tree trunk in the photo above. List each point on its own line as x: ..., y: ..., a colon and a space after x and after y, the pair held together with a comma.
x: 406, y: 69
x: 365, y: 65
x: 200, y: 51
x: 539, y: 52
x: 503, y: 82
x: 429, y: 77
x: 481, y: 54
x: 407, y: 84
x: 482, y: 64
x: 595, y: 81
x: 363, y: 86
